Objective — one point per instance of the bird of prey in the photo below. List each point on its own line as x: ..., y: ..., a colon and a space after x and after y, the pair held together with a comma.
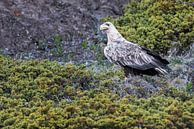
x: 135, y: 60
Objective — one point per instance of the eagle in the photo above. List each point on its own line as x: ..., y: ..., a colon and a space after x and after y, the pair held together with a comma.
x: 135, y: 59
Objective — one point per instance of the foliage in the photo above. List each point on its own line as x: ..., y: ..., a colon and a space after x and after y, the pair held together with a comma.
x: 189, y: 87
x: 158, y: 24
x: 44, y: 94
x: 84, y: 44
x: 58, y: 48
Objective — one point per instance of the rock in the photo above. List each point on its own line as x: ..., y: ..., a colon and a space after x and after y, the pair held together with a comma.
x: 26, y: 27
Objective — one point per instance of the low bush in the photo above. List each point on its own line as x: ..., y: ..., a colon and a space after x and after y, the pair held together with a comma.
x: 44, y: 94
x: 158, y: 24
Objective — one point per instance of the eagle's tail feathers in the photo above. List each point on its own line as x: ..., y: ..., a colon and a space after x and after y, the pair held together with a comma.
x: 161, y: 70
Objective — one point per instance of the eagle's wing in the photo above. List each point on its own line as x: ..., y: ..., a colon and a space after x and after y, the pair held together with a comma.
x: 155, y: 55
x: 131, y: 55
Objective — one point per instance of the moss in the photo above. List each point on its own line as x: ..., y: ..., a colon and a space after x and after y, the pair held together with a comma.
x: 189, y: 87
x: 58, y: 47
x: 44, y: 94
x: 84, y: 44
x: 158, y: 24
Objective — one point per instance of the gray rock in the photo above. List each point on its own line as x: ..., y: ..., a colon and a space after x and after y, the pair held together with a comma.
x: 29, y: 27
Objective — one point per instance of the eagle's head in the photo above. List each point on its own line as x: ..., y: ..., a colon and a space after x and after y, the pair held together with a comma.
x: 111, y: 31
x: 107, y: 26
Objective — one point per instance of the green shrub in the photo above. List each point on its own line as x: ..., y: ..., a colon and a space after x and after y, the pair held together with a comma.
x: 44, y: 94
x: 158, y: 24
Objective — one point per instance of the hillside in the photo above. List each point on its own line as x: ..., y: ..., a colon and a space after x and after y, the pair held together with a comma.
x: 54, y: 75
x: 44, y: 94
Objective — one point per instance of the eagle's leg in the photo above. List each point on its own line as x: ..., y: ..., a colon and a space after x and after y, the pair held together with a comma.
x: 130, y: 75
x: 128, y: 79
x: 126, y: 73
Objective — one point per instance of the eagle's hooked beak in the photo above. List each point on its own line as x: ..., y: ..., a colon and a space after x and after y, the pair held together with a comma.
x: 103, y: 27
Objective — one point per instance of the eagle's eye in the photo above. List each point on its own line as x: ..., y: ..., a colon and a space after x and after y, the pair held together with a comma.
x: 107, y: 24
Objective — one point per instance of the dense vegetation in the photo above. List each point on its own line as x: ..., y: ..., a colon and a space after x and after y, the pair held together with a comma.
x: 45, y: 94
x: 158, y: 24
